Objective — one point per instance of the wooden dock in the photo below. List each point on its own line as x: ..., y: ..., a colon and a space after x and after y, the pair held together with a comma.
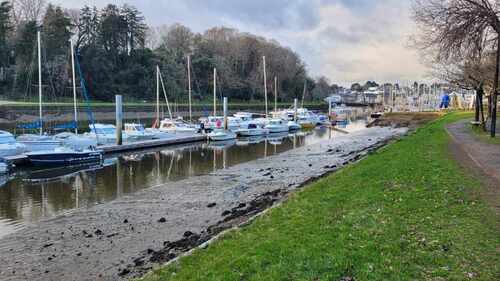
x: 20, y: 160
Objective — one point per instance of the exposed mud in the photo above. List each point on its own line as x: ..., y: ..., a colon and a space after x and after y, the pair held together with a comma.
x: 127, y: 237
x: 405, y: 120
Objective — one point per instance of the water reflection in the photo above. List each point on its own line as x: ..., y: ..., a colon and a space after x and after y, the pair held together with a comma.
x: 31, y: 195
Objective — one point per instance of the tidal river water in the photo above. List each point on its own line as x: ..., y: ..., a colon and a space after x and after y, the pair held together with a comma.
x: 29, y: 196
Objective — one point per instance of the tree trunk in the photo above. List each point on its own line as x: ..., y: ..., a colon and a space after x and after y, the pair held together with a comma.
x: 477, y: 103
x: 483, y: 122
x: 495, y: 92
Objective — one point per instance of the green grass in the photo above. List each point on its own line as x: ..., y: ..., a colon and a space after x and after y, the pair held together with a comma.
x: 407, y: 212
x: 484, y: 136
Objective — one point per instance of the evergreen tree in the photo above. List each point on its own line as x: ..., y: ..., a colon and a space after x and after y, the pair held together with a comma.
x: 5, y: 30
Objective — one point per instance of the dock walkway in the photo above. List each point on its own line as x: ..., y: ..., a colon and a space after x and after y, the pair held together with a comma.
x: 20, y: 160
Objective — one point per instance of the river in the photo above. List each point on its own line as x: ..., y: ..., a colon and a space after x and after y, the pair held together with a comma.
x: 30, y: 195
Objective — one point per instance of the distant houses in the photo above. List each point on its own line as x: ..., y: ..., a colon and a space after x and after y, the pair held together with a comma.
x: 371, y: 96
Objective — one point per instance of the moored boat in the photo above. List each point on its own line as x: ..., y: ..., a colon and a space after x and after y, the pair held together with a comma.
x: 75, y: 141
x: 38, y: 142
x: 136, y: 132
x: 277, y: 126
x: 105, y: 134
x: 221, y: 135
x: 9, y: 146
x: 293, y: 126
x: 64, y: 156
x: 250, y: 129
x: 177, y: 127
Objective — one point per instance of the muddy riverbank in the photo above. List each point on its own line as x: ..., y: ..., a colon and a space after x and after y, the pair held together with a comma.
x: 126, y: 237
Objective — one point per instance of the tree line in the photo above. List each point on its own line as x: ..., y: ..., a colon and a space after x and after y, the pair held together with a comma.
x: 119, y: 53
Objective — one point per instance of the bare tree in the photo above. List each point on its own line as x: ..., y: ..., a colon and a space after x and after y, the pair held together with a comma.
x: 27, y: 10
x: 460, y: 30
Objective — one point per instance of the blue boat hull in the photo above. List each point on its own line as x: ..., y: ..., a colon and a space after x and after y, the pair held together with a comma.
x: 66, y: 158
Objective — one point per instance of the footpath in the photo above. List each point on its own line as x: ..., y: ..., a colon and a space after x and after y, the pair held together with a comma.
x: 481, y: 158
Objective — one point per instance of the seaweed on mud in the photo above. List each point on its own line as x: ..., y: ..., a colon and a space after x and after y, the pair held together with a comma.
x: 190, y: 240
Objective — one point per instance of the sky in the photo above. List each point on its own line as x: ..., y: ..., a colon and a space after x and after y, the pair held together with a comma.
x: 345, y: 40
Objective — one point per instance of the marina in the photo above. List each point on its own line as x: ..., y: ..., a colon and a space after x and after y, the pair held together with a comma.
x: 154, y: 196
x: 143, y: 169
x: 201, y: 140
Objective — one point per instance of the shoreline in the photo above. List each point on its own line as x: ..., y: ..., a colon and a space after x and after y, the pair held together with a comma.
x: 96, y: 242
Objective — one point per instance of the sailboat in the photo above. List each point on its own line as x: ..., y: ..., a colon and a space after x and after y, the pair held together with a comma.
x: 220, y: 133
x: 60, y: 155
x: 157, y: 133
x: 68, y: 139
x: 290, y: 122
x: 38, y: 142
x: 170, y: 125
x: 274, y: 125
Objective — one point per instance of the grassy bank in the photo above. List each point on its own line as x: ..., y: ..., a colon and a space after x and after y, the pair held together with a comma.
x: 484, y: 136
x: 407, y: 212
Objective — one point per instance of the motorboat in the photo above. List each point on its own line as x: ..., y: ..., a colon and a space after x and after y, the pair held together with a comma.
x: 244, y: 116
x: 64, y: 156
x: 293, y: 126
x: 75, y: 141
x: 221, y: 135
x: 105, y: 134
x: 305, y: 122
x: 9, y: 146
x: 217, y: 122
x: 250, y: 129
x: 136, y: 132
x: 277, y: 126
x: 34, y: 142
x: 177, y: 126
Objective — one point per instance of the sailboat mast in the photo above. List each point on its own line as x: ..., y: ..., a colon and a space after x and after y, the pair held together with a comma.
x: 265, y: 83
x: 189, y: 87
x: 275, y: 94
x: 157, y: 96
x: 40, y: 81
x: 215, y: 92
x: 164, y: 92
x: 74, y: 84
x: 304, y: 93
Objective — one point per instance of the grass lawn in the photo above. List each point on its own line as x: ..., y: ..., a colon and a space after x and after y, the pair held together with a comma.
x: 484, y: 136
x: 407, y: 212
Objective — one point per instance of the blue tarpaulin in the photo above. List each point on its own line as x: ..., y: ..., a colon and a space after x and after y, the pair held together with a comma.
x: 30, y: 126
x: 66, y: 126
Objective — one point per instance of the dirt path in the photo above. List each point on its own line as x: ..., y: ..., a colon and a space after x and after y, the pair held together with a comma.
x: 481, y: 158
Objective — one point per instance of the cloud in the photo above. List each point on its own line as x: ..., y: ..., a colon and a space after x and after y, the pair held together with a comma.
x: 344, y: 40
